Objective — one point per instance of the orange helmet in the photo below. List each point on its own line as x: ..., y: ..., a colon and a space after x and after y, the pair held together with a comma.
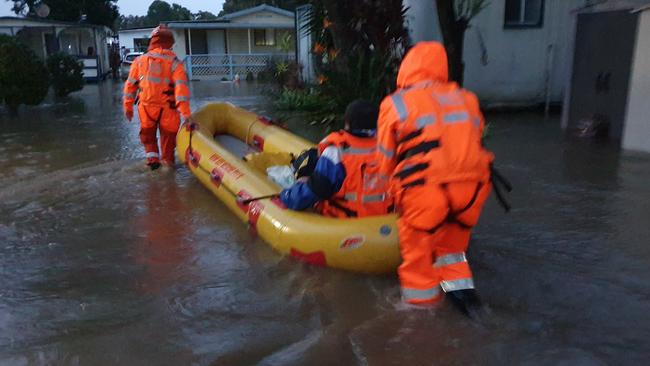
x: 161, y: 37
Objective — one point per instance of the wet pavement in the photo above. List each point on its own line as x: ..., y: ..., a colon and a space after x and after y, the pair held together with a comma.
x: 105, y: 263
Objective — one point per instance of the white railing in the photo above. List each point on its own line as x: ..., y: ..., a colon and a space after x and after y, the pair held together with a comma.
x: 218, y: 66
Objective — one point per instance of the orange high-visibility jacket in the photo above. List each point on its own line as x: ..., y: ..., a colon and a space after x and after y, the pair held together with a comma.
x: 158, y: 79
x: 430, y: 130
x: 364, y: 190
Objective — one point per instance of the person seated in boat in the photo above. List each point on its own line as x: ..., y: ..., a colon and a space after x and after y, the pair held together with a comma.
x: 345, y: 181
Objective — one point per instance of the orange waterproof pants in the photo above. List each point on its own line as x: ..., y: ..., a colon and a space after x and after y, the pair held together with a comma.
x: 434, y: 229
x: 153, y: 118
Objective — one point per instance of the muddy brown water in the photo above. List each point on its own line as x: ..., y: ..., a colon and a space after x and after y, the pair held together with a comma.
x: 104, y: 263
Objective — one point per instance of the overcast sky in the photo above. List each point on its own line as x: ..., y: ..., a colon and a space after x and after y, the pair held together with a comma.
x: 139, y: 7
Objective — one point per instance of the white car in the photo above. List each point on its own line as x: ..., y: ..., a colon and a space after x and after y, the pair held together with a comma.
x: 126, y: 63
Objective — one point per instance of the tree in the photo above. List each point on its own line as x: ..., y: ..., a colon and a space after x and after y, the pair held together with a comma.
x: 204, y: 15
x: 231, y: 6
x: 132, y: 21
x: 23, y: 76
x: 160, y: 11
x: 455, y: 18
x: 101, y: 12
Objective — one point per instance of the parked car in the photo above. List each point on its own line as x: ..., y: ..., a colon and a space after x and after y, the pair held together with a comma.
x: 126, y: 63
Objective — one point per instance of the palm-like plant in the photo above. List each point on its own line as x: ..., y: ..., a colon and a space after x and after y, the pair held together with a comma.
x: 455, y: 17
x: 358, y: 46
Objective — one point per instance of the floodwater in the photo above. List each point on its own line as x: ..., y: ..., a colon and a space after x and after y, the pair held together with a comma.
x: 105, y: 263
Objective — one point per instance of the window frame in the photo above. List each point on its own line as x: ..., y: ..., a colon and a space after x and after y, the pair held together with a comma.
x: 141, y: 44
x: 521, y: 24
x: 265, y: 37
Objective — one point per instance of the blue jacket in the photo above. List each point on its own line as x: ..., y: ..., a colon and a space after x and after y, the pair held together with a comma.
x: 326, y: 180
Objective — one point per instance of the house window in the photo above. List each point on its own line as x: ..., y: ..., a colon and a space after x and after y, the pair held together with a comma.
x: 140, y: 44
x: 264, y: 37
x: 524, y: 13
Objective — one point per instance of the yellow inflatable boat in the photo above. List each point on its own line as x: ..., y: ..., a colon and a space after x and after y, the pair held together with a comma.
x: 367, y: 245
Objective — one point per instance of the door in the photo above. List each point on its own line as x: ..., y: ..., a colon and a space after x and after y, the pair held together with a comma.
x: 199, y: 41
x: 602, y: 65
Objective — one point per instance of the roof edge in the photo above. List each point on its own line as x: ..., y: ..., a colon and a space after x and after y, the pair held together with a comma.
x: 255, y: 9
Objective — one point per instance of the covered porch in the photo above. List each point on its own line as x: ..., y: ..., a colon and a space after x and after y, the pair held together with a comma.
x: 85, y: 41
x: 217, y: 50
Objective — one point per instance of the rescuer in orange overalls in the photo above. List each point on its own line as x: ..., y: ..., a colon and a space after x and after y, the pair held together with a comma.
x: 429, y: 138
x: 158, y: 80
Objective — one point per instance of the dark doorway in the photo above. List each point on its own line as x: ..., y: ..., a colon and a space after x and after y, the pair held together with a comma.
x: 199, y: 40
x: 604, y: 47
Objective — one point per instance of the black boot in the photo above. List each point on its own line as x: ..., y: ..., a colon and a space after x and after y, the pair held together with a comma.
x: 154, y: 166
x: 467, y: 301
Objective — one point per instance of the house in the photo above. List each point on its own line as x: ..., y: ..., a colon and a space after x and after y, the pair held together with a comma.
x: 242, y: 42
x: 135, y: 39
x: 609, y: 81
x: 85, y: 41
x: 517, y: 52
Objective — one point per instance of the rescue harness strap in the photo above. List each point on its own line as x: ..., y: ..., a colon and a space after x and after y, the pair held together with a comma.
x: 498, y: 181
x: 452, y: 217
x: 157, y: 119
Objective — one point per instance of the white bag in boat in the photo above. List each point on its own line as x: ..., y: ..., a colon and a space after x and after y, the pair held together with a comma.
x: 281, y: 175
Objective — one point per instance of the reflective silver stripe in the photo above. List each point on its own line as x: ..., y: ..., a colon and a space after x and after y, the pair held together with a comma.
x: 182, y: 99
x: 413, y: 294
x: 152, y: 155
x: 455, y: 285
x: 398, y: 102
x: 425, y: 120
x: 358, y: 151
x: 132, y: 80
x: 386, y: 152
x: 447, y: 259
x: 373, y: 198
x: 449, y: 99
x: 476, y: 121
x: 160, y: 55
x: 179, y: 82
x: 350, y: 197
x: 154, y: 79
x: 129, y: 95
x: 455, y: 117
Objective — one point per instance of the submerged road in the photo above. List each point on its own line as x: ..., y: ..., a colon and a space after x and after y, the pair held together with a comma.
x: 105, y: 263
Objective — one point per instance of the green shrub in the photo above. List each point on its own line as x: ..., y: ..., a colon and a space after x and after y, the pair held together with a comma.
x: 23, y: 77
x: 250, y: 76
x: 300, y: 100
x: 66, y: 73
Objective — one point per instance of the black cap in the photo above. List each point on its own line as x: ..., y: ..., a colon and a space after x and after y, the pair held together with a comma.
x: 362, y: 115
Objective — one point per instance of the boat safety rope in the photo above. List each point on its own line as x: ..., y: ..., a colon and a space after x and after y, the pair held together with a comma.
x: 194, y: 126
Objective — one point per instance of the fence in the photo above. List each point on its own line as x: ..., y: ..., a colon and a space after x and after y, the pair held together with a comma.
x: 228, y: 65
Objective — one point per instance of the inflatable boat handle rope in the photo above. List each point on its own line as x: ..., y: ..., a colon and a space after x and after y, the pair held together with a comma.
x: 237, y: 197
x: 248, y: 131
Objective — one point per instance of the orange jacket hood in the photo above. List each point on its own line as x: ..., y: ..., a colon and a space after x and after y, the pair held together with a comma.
x: 425, y: 61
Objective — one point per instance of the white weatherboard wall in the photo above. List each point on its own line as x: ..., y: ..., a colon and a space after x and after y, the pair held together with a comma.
x: 127, y: 36
x: 508, y: 66
x: 636, y: 135
x: 179, y: 43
